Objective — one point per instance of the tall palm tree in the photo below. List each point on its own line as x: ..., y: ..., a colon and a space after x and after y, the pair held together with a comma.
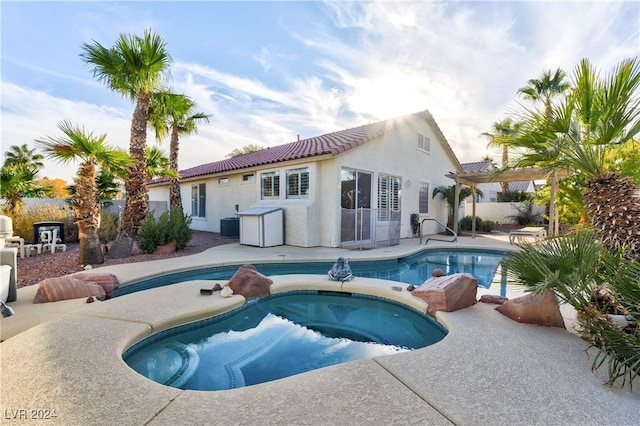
x: 448, y: 193
x: 502, y: 133
x: 92, y: 152
x: 174, y: 114
x: 22, y: 154
x: 600, y: 114
x: 544, y: 89
x: 134, y: 67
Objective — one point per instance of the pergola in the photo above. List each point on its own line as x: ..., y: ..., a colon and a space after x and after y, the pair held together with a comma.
x: 471, y: 179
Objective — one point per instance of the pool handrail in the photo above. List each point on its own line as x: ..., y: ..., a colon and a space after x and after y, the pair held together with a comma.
x: 455, y: 234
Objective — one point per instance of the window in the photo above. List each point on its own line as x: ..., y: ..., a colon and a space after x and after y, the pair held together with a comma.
x: 198, y: 200
x: 388, y: 196
x: 248, y: 178
x: 424, y: 143
x: 423, y: 198
x: 270, y: 186
x: 298, y: 183
x: 223, y: 181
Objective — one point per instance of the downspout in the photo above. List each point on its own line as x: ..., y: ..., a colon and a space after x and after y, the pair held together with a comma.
x: 456, y: 205
x: 552, y: 205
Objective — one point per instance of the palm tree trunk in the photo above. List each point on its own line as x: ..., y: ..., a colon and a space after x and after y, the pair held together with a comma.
x: 86, y: 214
x: 505, y: 163
x: 137, y: 201
x: 612, y: 203
x: 175, y: 199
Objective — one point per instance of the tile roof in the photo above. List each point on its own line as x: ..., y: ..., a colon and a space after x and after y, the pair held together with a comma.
x: 331, y: 143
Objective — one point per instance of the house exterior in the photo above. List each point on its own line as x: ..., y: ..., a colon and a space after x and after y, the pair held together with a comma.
x: 490, y: 190
x: 357, y: 186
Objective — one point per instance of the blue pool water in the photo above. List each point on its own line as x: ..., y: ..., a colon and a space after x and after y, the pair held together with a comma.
x: 280, y: 336
x: 414, y: 269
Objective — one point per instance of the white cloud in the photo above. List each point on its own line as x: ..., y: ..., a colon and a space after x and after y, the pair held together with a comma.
x: 463, y: 61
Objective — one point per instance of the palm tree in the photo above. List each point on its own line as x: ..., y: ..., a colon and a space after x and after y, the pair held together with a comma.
x: 157, y: 163
x: 545, y: 88
x: 93, y: 152
x: 106, y: 186
x: 134, y: 67
x: 502, y: 133
x: 23, y: 155
x: 18, y: 181
x: 600, y: 115
x: 173, y: 114
x: 448, y: 193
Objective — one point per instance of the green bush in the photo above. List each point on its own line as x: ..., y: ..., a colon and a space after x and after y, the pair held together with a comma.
x: 24, y: 217
x: 108, y: 230
x: 168, y: 227
x: 481, y: 225
x: 180, y: 230
x: 525, y: 215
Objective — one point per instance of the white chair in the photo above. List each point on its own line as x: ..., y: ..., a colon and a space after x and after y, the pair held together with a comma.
x: 14, y: 241
x: 50, y: 241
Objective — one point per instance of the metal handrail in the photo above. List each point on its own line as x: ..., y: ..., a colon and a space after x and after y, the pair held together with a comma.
x: 455, y: 235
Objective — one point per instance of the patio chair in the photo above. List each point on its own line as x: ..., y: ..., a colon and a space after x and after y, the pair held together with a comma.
x: 50, y: 241
x: 538, y: 233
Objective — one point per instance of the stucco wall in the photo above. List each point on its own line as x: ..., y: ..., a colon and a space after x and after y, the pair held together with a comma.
x: 315, y: 221
x: 498, y: 212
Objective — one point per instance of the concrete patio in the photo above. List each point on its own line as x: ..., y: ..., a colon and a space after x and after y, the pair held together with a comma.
x: 65, y: 358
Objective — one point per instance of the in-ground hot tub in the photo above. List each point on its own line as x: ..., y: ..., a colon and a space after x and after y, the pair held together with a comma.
x: 282, y: 335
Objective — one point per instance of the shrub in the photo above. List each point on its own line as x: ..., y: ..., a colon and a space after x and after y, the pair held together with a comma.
x: 514, y: 196
x: 525, y: 215
x: 24, y: 217
x: 180, y: 230
x: 168, y: 227
x: 108, y: 230
x: 481, y: 225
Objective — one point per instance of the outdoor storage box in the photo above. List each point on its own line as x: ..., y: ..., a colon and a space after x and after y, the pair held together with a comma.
x: 39, y: 227
x: 262, y: 227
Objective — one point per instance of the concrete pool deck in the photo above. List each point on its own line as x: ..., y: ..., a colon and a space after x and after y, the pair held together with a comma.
x: 487, y: 370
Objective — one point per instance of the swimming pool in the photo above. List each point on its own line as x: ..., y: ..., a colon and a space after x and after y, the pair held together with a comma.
x: 413, y: 269
x: 279, y: 336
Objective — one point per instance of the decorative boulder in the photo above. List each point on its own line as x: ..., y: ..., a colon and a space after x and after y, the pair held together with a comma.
x: 438, y: 272
x: 63, y: 288
x: 493, y: 298
x: 170, y: 247
x: 448, y: 293
x: 534, y: 308
x: 250, y: 283
x: 109, y: 282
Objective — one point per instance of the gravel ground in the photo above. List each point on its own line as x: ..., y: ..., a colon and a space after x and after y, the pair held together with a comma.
x: 33, y: 269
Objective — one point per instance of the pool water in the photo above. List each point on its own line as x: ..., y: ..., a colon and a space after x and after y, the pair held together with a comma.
x: 280, y: 336
x: 414, y: 269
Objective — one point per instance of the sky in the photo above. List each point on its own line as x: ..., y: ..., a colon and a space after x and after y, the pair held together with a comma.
x: 267, y: 71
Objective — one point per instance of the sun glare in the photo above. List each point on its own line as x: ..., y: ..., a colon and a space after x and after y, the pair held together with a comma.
x: 389, y: 95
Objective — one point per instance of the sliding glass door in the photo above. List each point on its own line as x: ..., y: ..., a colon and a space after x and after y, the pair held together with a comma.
x: 355, y: 193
